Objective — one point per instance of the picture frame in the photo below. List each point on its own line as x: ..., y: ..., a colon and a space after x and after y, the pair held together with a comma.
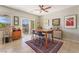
x: 70, y: 21
x: 56, y: 22
x: 16, y: 20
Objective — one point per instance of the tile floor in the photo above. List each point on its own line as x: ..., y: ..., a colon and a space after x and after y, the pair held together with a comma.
x: 19, y: 46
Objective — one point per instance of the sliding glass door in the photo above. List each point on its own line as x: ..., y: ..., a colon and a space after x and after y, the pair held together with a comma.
x: 25, y: 26
x: 32, y: 24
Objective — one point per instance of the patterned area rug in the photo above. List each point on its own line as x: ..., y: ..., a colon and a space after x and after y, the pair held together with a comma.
x: 53, y: 47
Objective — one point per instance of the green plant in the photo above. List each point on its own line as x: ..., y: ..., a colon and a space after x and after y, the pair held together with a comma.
x: 2, y: 25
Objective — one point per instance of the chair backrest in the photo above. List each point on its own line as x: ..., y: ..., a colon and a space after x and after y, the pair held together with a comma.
x: 7, y: 31
x: 40, y: 34
x: 1, y: 35
x: 33, y: 31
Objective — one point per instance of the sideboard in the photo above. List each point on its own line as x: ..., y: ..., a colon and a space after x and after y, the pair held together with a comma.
x: 16, y: 34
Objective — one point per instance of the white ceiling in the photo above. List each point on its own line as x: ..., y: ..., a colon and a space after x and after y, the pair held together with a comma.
x: 34, y: 9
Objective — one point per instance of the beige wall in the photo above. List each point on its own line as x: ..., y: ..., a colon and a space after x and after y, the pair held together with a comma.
x: 13, y: 12
x: 70, y: 34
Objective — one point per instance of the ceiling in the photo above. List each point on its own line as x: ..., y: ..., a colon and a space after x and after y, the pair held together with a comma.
x: 34, y: 9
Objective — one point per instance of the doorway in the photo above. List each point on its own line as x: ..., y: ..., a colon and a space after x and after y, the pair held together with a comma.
x: 25, y: 25
x: 32, y: 24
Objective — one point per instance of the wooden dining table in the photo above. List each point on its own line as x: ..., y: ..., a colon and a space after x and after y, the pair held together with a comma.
x: 46, y: 31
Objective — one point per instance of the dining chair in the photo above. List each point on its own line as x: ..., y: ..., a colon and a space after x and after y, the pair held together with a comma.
x: 41, y: 38
x: 7, y: 35
x: 1, y: 36
x: 34, y: 35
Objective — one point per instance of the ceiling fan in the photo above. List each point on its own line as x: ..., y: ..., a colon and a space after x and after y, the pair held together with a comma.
x: 44, y: 8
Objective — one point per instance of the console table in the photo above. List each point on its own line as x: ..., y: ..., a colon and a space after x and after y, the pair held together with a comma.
x: 58, y: 34
x: 16, y: 34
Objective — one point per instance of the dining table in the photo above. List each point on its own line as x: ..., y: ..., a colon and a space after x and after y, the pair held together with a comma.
x: 46, y: 31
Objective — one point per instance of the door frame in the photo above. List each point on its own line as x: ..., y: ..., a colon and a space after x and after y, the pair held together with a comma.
x: 29, y: 24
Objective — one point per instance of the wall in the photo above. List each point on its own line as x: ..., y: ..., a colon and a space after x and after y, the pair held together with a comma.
x: 70, y: 34
x: 13, y: 12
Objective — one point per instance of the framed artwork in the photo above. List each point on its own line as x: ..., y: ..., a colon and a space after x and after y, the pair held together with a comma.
x: 56, y: 22
x: 16, y: 20
x: 70, y: 21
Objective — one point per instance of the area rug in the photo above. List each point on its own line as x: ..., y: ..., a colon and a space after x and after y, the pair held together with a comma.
x: 53, y: 47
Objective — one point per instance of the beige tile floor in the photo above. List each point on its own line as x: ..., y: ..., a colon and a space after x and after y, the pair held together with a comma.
x: 19, y: 46
x: 69, y: 47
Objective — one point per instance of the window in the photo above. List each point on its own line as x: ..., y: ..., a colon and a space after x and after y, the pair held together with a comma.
x: 4, y: 21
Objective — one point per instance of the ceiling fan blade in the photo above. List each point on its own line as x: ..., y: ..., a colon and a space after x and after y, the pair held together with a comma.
x: 43, y: 9
x: 48, y: 7
x: 42, y: 5
x: 46, y: 11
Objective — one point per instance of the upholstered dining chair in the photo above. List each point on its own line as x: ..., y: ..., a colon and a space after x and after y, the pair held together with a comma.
x: 7, y: 34
x: 1, y: 36
x: 34, y: 35
x: 41, y: 38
